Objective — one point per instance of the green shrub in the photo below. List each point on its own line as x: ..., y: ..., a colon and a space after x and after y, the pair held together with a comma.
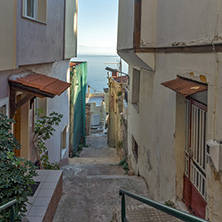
x: 43, y: 130
x: 16, y: 174
x: 124, y: 165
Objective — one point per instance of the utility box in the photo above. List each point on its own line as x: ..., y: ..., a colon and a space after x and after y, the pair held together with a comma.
x: 214, y: 151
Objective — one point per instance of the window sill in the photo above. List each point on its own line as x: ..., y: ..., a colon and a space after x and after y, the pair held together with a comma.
x: 63, y: 153
x: 136, y: 106
x: 34, y: 20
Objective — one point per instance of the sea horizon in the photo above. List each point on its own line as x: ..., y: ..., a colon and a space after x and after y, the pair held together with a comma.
x: 96, y: 73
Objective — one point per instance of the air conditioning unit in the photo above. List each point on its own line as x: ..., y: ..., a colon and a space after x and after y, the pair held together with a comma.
x: 214, y: 152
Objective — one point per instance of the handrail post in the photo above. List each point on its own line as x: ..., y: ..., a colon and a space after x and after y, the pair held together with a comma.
x: 123, y: 208
x: 12, y: 214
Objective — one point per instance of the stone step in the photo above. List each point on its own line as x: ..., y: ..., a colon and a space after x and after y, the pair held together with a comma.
x: 143, y: 213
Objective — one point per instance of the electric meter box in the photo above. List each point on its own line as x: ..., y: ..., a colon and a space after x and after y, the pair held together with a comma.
x: 214, y: 151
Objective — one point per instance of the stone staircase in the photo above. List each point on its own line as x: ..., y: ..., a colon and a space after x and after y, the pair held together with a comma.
x: 143, y: 213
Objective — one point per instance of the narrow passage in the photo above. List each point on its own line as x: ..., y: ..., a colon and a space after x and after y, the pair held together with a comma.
x: 91, y: 184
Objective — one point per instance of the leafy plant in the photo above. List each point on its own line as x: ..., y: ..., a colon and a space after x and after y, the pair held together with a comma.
x: 124, y: 165
x: 43, y: 130
x: 170, y: 204
x: 119, y: 93
x: 16, y: 174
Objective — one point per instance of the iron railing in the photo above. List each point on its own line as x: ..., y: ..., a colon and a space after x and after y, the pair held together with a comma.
x: 169, y: 210
x: 12, y: 212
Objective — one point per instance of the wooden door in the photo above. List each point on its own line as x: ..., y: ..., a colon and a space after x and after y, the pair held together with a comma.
x: 17, y: 126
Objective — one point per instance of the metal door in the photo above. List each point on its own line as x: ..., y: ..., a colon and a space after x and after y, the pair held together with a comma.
x: 194, y: 191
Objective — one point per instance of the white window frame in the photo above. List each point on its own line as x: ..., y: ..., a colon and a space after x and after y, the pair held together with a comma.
x: 5, y: 101
x: 64, y: 141
x: 35, y: 17
x: 35, y: 9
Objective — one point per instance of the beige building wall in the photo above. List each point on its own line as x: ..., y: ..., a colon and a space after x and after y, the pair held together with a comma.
x: 157, y: 122
x: 8, y: 34
x: 71, y: 21
x: 159, y: 126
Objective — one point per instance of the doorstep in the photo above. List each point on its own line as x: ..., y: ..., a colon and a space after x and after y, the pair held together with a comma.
x: 43, y: 204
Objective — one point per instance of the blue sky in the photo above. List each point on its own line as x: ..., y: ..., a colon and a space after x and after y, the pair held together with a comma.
x: 97, y: 25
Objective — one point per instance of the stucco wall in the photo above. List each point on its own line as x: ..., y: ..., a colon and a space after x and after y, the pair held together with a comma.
x: 171, y: 23
x: 59, y: 104
x: 8, y: 34
x: 186, y: 21
x: 125, y: 24
x: 154, y: 127
x: 71, y: 20
x: 38, y: 42
x: 148, y: 23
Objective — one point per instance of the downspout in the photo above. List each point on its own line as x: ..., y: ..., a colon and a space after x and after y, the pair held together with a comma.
x: 217, y: 72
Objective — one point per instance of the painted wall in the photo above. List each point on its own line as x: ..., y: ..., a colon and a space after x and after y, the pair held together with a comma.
x: 148, y: 23
x: 125, y: 24
x: 8, y: 34
x: 71, y: 19
x: 158, y: 127
x: 171, y: 23
x: 187, y: 21
x: 38, y: 42
x: 157, y: 124
x: 59, y: 104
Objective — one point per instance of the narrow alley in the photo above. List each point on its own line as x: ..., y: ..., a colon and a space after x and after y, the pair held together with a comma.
x: 91, y: 186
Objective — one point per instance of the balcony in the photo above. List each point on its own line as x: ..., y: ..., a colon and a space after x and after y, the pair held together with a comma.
x: 136, y: 32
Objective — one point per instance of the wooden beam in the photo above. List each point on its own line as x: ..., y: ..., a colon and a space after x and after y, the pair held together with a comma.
x: 15, y: 106
x: 12, y: 102
x: 137, y: 23
x: 24, y: 101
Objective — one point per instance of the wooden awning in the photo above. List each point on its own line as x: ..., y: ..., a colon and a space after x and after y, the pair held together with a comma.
x: 184, y: 86
x: 33, y: 85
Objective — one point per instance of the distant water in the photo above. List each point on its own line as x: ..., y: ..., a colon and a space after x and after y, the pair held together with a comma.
x: 96, y: 64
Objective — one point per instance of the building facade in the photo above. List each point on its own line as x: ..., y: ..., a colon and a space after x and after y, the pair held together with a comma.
x: 117, y: 118
x: 37, y: 41
x: 174, y: 54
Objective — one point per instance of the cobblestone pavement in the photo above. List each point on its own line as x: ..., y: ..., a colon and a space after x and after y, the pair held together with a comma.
x: 143, y: 213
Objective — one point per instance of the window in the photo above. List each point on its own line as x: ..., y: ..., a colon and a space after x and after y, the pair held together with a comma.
x: 3, y: 109
x: 135, y: 148
x: 136, y: 88
x: 64, y: 138
x: 31, y: 8
x: 4, y: 106
x: 35, y: 9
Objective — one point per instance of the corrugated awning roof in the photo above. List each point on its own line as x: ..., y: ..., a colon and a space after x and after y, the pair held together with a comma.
x: 38, y: 84
x: 185, y: 87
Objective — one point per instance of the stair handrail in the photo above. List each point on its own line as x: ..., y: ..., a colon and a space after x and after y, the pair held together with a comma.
x: 169, y: 210
x: 7, y: 205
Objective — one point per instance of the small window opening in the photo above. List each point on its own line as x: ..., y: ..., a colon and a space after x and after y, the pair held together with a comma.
x: 64, y: 138
x: 135, y: 148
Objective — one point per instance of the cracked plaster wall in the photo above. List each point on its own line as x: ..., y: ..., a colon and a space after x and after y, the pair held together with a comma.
x: 158, y: 127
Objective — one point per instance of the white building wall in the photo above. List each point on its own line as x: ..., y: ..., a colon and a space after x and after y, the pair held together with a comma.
x: 59, y: 104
